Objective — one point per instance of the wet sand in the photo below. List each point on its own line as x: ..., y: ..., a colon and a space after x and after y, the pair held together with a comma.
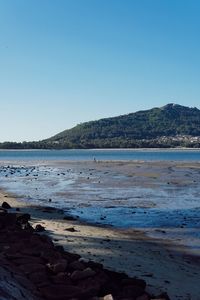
x: 160, y: 255
x: 160, y: 198
x: 164, y: 265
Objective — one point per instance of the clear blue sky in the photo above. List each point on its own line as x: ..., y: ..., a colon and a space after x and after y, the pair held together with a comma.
x: 69, y: 61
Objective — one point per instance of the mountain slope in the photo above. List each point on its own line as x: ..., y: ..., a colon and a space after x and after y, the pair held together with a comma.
x: 133, y: 130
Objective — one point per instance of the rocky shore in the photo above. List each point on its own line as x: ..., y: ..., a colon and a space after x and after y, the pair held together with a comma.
x: 33, y: 268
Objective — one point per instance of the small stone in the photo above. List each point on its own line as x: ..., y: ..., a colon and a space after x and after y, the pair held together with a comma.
x: 69, y: 218
x: 71, y: 229
x: 83, y: 260
x: 94, y: 265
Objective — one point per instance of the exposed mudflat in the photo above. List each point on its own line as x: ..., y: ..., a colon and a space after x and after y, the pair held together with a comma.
x: 160, y: 198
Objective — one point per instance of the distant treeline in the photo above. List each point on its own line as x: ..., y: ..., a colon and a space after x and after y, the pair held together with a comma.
x: 101, y: 144
x: 23, y: 145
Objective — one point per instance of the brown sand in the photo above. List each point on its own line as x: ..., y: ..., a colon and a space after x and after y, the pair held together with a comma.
x: 164, y: 267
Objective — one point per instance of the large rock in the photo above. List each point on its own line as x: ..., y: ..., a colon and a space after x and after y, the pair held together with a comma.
x: 39, y: 228
x: 132, y: 291
x: 78, y: 275
x: 23, y: 218
x: 6, y: 205
x: 32, y: 268
x: 39, y: 278
x: 60, y: 292
x: 134, y: 281
x: 26, y: 260
x: 61, y: 278
x: 77, y: 265
x: 58, y: 267
x: 7, y: 220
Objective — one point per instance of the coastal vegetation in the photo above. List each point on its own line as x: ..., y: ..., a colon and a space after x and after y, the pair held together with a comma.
x: 169, y: 126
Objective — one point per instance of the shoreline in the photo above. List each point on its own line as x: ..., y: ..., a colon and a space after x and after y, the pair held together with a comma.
x: 111, y: 149
x: 129, y: 251
x: 158, y: 198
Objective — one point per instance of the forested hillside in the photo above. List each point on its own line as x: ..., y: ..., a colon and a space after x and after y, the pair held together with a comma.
x: 169, y: 126
x: 143, y: 128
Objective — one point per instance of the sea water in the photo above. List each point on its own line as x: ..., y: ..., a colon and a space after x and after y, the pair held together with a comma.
x: 101, y: 154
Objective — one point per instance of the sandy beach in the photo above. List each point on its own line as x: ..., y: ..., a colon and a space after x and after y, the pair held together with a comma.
x: 164, y: 265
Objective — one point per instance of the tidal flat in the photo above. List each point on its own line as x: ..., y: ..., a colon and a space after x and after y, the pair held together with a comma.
x: 160, y: 198
x: 138, y: 217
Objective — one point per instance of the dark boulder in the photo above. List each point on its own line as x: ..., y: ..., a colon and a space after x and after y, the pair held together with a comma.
x: 23, y: 218
x: 6, y: 205
x: 39, y: 228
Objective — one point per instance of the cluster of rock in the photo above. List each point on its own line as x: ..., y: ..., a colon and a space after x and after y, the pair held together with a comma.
x: 49, y: 272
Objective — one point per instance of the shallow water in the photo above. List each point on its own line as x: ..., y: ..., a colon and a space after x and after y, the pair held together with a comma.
x: 101, y: 154
x: 162, y: 200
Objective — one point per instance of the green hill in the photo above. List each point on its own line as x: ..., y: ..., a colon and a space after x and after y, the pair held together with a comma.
x: 171, y: 125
